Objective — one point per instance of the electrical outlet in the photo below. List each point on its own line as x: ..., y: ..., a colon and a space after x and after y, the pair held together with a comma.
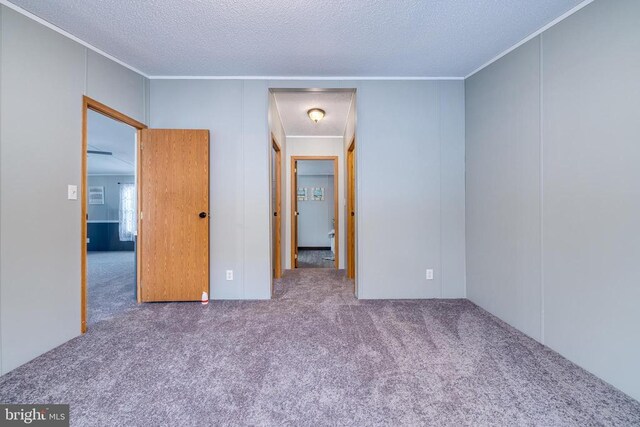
x: 229, y: 274
x: 429, y: 274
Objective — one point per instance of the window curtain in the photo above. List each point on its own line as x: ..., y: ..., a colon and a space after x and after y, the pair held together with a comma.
x: 127, y: 215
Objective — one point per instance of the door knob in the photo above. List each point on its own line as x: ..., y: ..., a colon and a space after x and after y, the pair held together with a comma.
x: 353, y: 214
x: 202, y: 214
x: 275, y: 214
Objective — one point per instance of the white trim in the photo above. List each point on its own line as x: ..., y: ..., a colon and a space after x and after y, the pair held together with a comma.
x: 531, y: 36
x: 114, y: 174
x: 541, y: 183
x: 315, y: 136
x: 323, y: 78
x: 68, y: 35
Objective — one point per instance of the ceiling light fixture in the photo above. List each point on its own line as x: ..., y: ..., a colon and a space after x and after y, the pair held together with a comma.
x: 316, y: 114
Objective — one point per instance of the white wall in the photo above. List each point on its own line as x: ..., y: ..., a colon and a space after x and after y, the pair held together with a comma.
x: 420, y: 119
x: 43, y: 76
x: 553, y: 189
x: 317, y: 147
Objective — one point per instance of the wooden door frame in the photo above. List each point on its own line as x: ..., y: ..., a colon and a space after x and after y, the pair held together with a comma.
x: 351, y: 207
x: 277, y: 256
x: 98, y: 107
x: 336, y: 207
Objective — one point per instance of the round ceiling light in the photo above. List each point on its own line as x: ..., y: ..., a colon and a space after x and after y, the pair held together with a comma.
x: 315, y: 114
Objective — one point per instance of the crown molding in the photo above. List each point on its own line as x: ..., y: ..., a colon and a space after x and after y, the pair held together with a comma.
x: 531, y: 36
x: 59, y: 30
x: 316, y: 136
x: 321, y: 78
x: 69, y: 35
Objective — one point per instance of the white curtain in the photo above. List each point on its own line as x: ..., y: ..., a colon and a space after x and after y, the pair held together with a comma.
x: 127, y: 216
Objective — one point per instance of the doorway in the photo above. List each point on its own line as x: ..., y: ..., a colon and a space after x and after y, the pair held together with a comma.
x: 108, y: 194
x: 165, y: 212
x: 314, y: 212
x: 351, y: 209
x: 276, y: 208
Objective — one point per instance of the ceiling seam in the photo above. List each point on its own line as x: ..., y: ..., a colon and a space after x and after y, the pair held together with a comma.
x: 321, y: 78
x: 346, y: 123
x: 531, y: 36
x: 275, y: 101
x: 69, y: 35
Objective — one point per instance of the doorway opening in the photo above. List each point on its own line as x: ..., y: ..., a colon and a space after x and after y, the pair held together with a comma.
x: 351, y: 210
x: 314, y: 127
x: 108, y: 194
x: 276, y: 207
x: 314, y: 212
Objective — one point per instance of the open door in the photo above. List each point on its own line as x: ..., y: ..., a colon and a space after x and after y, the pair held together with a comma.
x: 294, y: 210
x: 276, y: 184
x: 351, y: 210
x: 173, y: 215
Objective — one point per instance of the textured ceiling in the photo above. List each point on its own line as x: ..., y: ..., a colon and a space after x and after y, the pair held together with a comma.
x: 293, y: 107
x: 105, y: 134
x: 349, y: 38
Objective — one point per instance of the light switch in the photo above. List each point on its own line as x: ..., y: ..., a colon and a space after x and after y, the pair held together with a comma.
x: 429, y: 274
x: 229, y: 274
x: 72, y: 192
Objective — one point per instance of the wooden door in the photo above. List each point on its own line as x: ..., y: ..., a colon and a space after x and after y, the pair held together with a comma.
x: 351, y: 211
x: 173, y: 215
x: 294, y: 211
x: 277, y: 214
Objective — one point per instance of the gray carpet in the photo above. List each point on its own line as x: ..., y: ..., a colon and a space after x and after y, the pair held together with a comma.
x: 312, y: 258
x: 111, y: 285
x: 315, y: 356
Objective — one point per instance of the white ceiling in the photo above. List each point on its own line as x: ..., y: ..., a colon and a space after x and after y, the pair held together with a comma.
x: 293, y: 107
x: 105, y: 134
x: 315, y: 167
x: 348, y: 38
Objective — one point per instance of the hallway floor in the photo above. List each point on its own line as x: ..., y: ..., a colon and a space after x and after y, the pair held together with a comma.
x: 314, y: 355
x: 315, y: 258
x: 111, y: 284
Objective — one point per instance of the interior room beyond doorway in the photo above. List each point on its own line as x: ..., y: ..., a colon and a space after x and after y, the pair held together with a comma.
x: 316, y: 214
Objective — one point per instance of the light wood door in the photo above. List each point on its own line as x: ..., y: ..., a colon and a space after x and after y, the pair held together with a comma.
x: 173, y: 225
x: 295, y: 214
x: 351, y: 211
x: 277, y: 206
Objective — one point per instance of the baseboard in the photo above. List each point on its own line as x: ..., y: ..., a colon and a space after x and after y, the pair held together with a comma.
x: 314, y: 248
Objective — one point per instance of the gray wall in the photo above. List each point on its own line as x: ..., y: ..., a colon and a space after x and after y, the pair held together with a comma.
x: 406, y: 132
x: 553, y: 185
x: 410, y: 153
x: 316, y: 216
x: 43, y: 76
